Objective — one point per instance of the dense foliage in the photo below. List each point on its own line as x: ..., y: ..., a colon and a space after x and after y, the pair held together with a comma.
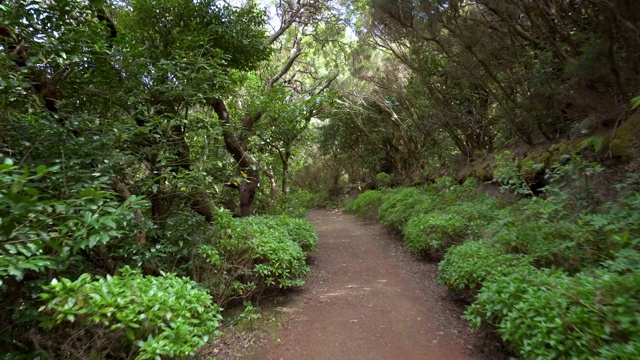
x: 167, y: 147
x: 556, y: 275
x: 437, y: 86
x: 127, y: 314
x: 125, y: 152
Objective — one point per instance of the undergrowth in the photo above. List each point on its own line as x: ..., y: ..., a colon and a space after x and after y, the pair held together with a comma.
x: 367, y: 204
x: 557, y: 275
x: 55, y: 304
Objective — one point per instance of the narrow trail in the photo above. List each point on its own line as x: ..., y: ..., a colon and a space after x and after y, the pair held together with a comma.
x: 368, y: 298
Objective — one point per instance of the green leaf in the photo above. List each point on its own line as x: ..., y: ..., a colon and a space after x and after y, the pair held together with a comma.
x: 31, y: 191
x: 18, y: 273
x: 109, y: 222
x: 86, y: 192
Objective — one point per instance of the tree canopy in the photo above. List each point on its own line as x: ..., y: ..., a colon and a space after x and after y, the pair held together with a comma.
x: 147, y: 144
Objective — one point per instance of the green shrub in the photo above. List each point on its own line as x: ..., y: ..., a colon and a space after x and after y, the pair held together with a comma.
x: 615, y: 227
x: 444, y: 183
x: 254, y: 254
x: 451, y: 193
x: 466, y: 267
x: 437, y: 231
x: 301, y: 232
x: 41, y: 231
x: 149, y: 316
x: 383, y: 179
x: 549, y: 244
x: 512, y: 173
x: 483, y: 209
x: 367, y: 204
x: 404, y: 203
x: 433, y: 232
x: 544, y: 230
x: 547, y: 314
x: 297, y: 203
x: 55, y: 221
x: 279, y: 261
x: 395, y: 207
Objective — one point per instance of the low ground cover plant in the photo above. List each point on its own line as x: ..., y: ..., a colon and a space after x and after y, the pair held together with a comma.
x: 466, y: 267
x: 401, y: 204
x: 66, y: 269
x: 432, y: 233
x: 141, y: 317
x: 549, y: 314
x: 557, y: 274
x: 437, y: 231
x: 255, y: 254
x: 366, y: 205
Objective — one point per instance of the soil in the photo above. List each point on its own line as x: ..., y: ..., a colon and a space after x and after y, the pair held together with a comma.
x: 366, y: 298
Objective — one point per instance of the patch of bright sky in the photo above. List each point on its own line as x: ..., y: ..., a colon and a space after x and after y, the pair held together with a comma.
x: 273, y: 19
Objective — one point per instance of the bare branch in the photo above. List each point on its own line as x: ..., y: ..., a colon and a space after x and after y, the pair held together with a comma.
x: 287, y: 22
x: 292, y: 59
x: 327, y: 84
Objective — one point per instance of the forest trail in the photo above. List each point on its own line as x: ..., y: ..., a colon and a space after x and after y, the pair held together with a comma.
x: 368, y: 298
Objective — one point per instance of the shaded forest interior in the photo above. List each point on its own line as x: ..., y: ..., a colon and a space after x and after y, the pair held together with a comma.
x: 167, y: 149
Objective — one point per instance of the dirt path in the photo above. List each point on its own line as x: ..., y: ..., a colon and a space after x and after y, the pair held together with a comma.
x: 367, y: 298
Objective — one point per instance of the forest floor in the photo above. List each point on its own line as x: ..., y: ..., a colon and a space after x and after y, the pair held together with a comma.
x: 366, y: 298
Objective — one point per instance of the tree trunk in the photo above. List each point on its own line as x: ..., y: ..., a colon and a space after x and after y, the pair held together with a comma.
x: 285, y: 170
x: 125, y: 194
x: 272, y: 186
x: 247, y: 166
x: 248, y: 191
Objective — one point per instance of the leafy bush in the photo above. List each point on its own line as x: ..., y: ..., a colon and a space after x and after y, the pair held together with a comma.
x: 279, y: 261
x: 558, y: 277
x: 367, y: 204
x: 56, y: 222
x: 279, y: 258
x: 512, y: 172
x: 383, y: 179
x: 145, y: 317
x: 451, y: 193
x: 39, y: 231
x: 301, y: 232
x: 403, y: 203
x: 254, y: 254
x: 547, y: 314
x: 615, y: 227
x: 297, y: 203
x: 436, y: 231
x: 444, y: 183
x: 433, y: 232
x: 481, y: 209
x: 557, y: 237
x: 572, y: 179
x: 466, y: 267
x: 549, y: 244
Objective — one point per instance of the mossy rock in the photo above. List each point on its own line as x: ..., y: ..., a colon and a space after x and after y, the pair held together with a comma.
x: 626, y: 142
x: 563, y: 147
x: 484, y: 173
x: 625, y: 145
x: 481, y: 168
x: 540, y: 155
